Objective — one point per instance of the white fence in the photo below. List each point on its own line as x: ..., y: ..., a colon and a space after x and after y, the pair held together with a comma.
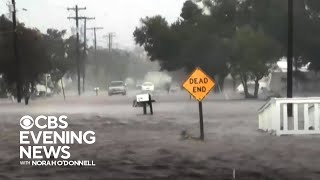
x: 273, y: 116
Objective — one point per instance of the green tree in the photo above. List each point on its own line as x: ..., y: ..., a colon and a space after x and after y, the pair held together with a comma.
x: 32, y: 53
x: 38, y: 53
x: 191, y: 41
x: 61, y: 52
x: 254, y: 54
x: 211, y: 37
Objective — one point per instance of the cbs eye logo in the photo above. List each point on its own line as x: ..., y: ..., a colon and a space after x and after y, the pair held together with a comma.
x: 26, y: 122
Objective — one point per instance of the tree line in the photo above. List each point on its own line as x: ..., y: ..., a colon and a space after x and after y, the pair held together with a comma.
x: 38, y: 53
x: 54, y: 53
x: 243, y: 38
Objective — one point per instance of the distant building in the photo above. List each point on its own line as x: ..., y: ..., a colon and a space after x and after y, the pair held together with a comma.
x: 303, y: 82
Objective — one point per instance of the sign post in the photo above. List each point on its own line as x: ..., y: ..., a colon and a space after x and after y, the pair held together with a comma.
x: 199, y: 85
x: 201, y: 121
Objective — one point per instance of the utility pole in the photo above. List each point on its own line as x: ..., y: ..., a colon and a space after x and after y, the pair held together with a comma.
x: 110, y: 40
x: 290, y: 55
x: 84, y: 51
x: 76, y: 9
x: 95, y: 43
x: 16, y: 54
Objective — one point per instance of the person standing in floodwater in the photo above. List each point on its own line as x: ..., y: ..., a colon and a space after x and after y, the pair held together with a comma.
x: 26, y: 93
x: 167, y: 87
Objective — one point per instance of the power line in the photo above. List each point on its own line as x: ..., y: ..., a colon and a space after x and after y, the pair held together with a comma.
x: 9, y: 5
x: 76, y: 9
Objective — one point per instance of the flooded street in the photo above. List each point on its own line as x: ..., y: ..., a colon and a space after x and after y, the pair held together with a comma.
x: 130, y: 145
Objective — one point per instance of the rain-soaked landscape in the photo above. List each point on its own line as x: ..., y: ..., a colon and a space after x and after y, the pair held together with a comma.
x: 159, y: 89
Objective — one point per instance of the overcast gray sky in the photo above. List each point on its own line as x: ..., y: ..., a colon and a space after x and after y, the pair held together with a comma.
x: 119, y: 16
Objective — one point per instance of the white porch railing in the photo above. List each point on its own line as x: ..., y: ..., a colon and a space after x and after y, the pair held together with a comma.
x: 273, y: 116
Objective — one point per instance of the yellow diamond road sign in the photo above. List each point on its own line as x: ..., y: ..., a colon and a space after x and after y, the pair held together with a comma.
x: 199, y: 84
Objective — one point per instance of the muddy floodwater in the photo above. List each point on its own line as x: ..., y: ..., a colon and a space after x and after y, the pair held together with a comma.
x: 131, y: 146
